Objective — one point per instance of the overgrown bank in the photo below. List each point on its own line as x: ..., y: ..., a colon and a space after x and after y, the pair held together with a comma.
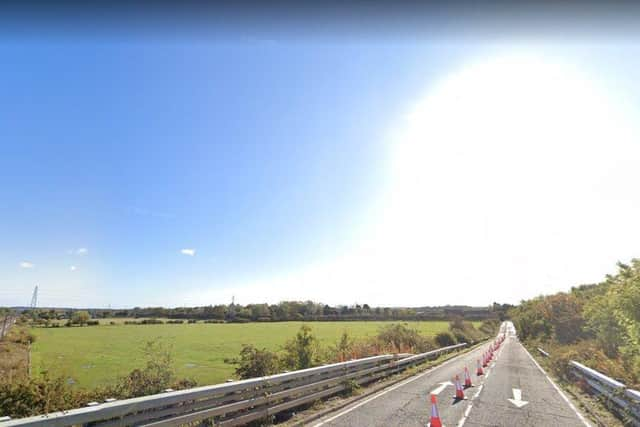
x: 598, y: 325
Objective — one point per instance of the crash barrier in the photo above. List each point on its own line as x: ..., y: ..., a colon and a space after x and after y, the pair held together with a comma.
x: 237, y: 402
x: 625, y: 401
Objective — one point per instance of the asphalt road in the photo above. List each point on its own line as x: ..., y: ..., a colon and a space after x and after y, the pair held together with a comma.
x: 514, y: 391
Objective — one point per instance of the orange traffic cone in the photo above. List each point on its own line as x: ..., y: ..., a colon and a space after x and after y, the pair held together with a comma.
x: 485, y: 360
x: 479, y: 371
x: 459, y: 391
x: 435, y: 416
x: 467, y: 378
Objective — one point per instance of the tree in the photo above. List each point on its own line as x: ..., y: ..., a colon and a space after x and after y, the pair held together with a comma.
x: 303, y: 351
x: 343, y: 348
x: 399, y: 337
x: 255, y: 362
x: 80, y: 317
x: 564, y: 312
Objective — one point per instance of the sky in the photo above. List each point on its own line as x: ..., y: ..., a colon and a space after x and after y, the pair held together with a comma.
x: 419, y: 173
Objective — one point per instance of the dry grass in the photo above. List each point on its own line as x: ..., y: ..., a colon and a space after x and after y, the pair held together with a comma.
x: 14, y: 357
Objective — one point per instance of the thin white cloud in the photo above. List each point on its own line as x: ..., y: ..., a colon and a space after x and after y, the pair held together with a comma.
x: 73, y: 268
x: 82, y: 251
x: 26, y: 264
x: 188, y: 251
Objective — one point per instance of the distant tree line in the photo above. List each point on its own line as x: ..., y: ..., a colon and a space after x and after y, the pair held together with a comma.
x: 283, y: 311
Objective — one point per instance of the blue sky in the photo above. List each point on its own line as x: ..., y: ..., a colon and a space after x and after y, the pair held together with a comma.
x: 269, y: 159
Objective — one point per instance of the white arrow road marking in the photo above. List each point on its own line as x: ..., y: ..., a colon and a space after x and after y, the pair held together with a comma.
x: 441, y: 387
x: 517, y: 398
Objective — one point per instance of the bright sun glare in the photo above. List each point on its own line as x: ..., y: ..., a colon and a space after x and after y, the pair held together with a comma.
x: 474, y: 168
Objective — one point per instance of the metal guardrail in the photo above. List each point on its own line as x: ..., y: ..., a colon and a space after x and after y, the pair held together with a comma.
x: 238, y: 402
x: 542, y: 352
x: 624, y: 400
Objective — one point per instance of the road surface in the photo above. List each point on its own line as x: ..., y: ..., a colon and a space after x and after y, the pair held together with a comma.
x: 514, y: 391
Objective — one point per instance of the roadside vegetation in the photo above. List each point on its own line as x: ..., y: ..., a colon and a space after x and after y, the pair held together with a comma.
x: 23, y: 395
x: 597, y: 325
x: 306, y: 351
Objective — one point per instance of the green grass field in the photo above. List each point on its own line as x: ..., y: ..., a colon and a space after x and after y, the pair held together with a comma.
x: 97, y: 355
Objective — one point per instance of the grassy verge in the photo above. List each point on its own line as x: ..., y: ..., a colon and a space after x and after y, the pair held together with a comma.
x: 588, y: 404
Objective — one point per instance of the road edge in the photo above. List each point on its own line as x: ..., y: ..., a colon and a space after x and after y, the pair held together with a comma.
x: 558, y: 389
x: 378, y: 388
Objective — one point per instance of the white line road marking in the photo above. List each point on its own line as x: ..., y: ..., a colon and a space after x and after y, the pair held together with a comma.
x: 566, y: 399
x: 382, y: 393
x: 517, y: 398
x: 468, y: 410
x: 478, y: 392
x: 466, y: 413
x: 441, y: 387
x: 465, y: 416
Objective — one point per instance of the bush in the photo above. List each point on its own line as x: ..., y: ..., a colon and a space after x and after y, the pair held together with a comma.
x: 192, y: 321
x: 303, y: 351
x: 489, y: 327
x: 343, y: 350
x: 93, y: 323
x: 155, y: 377
x: 445, y: 339
x: 43, y: 393
x: 80, y: 317
x: 400, y: 338
x: 38, y: 395
x: 151, y: 322
x: 588, y: 353
x: 175, y: 322
x: 255, y: 362
x: 465, y: 331
x: 21, y: 336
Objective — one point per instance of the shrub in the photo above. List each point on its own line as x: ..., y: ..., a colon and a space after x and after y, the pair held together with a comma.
x: 465, y: 331
x: 80, y: 317
x: 255, y: 362
x: 156, y: 376
x: 26, y: 396
x: 489, y: 326
x: 151, y: 322
x: 588, y: 353
x: 445, y: 339
x: 21, y: 336
x: 303, y: 351
x: 400, y: 338
x: 37, y: 395
x: 343, y: 349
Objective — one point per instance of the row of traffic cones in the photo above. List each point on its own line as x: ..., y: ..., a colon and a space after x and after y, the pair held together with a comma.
x: 486, y: 358
x: 435, y: 416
